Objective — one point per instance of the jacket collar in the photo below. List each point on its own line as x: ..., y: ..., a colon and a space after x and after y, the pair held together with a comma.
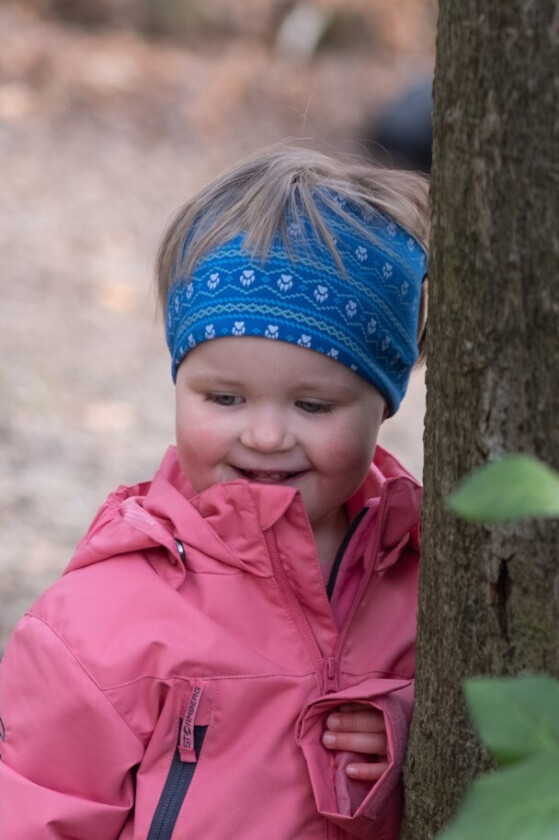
x: 220, y: 521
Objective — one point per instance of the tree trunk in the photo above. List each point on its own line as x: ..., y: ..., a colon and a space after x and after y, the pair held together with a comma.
x: 489, y: 600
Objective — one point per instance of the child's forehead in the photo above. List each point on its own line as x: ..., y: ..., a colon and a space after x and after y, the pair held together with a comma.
x: 240, y: 358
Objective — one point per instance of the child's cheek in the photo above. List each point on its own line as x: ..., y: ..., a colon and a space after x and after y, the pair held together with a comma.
x: 351, y: 449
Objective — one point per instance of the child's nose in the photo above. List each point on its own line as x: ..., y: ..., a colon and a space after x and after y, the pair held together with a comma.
x: 267, y: 431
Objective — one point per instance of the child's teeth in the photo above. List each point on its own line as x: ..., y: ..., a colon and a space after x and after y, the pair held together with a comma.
x: 267, y: 476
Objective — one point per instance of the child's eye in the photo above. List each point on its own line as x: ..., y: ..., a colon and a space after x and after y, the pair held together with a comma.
x: 314, y: 406
x: 224, y: 399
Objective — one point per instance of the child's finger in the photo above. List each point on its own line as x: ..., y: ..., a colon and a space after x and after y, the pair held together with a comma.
x: 359, y: 720
x: 369, y: 743
x: 366, y: 772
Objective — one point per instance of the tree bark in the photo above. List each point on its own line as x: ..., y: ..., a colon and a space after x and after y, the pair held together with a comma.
x: 489, y: 599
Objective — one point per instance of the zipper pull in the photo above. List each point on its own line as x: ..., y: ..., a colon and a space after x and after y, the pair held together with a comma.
x: 329, y: 675
x: 187, y: 740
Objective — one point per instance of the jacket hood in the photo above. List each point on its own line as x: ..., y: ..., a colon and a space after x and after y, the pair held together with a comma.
x: 220, y: 521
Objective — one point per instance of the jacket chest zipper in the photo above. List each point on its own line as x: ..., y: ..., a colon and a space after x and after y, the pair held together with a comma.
x: 344, y: 630
x: 297, y: 612
x: 329, y: 675
x: 326, y: 668
x: 177, y: 783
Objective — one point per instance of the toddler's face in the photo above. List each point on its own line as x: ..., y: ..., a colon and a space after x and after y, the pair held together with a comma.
x: 274, y: 413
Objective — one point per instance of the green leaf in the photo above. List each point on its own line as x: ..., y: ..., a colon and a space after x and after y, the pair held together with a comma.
x: 515, y: 487
x: 515, y: 717
x: 518, y: 803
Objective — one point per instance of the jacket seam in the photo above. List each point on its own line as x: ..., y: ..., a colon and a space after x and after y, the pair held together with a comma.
x: 211, y: 678
x: 381, y: 675
x: 91, y: 678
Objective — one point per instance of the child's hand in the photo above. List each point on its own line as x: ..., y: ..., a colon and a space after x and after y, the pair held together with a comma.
x: 359, y: 729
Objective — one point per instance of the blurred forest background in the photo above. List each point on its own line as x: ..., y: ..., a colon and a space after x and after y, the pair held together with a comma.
x: 111, y: 114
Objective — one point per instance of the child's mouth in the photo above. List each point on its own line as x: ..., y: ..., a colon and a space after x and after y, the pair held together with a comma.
x: 266, y: 477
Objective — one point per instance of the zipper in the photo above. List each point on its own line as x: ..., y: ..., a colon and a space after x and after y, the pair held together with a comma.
x: 333, y: 832
x: 364, y: 581
x: 177, y: 783
x: 327, y: 667
x: 296, y: 610
x: 329, y: 675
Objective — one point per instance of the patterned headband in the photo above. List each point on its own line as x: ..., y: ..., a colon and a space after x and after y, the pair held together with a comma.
x: 365, y: 317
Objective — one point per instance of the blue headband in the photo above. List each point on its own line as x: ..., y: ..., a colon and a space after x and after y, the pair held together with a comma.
x: 366, y: 317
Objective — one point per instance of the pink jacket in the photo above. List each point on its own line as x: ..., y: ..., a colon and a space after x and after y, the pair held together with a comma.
x: 174, y: 683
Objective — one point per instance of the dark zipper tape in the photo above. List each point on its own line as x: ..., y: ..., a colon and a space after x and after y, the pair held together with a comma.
x: 341, y: 551
x: 175, y: 789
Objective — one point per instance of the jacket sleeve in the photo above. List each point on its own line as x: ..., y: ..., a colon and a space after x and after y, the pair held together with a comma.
x: 67, y: 761
x: 364, y: 810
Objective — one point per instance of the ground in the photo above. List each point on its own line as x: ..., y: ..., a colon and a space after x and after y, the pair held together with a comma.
x: 103, y: 135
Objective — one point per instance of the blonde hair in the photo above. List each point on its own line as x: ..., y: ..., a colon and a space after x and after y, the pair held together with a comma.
x: 261, y: 194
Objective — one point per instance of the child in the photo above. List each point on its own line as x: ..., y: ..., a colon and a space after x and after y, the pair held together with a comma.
x: 230, y: 653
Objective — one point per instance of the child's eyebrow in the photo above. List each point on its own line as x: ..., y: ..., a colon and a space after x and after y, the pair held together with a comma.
x: 214, y: 378
x: 325, y: 390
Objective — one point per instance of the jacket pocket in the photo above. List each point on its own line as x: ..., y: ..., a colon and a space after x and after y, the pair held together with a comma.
x: 194, y: 714
x: 364, y: 810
